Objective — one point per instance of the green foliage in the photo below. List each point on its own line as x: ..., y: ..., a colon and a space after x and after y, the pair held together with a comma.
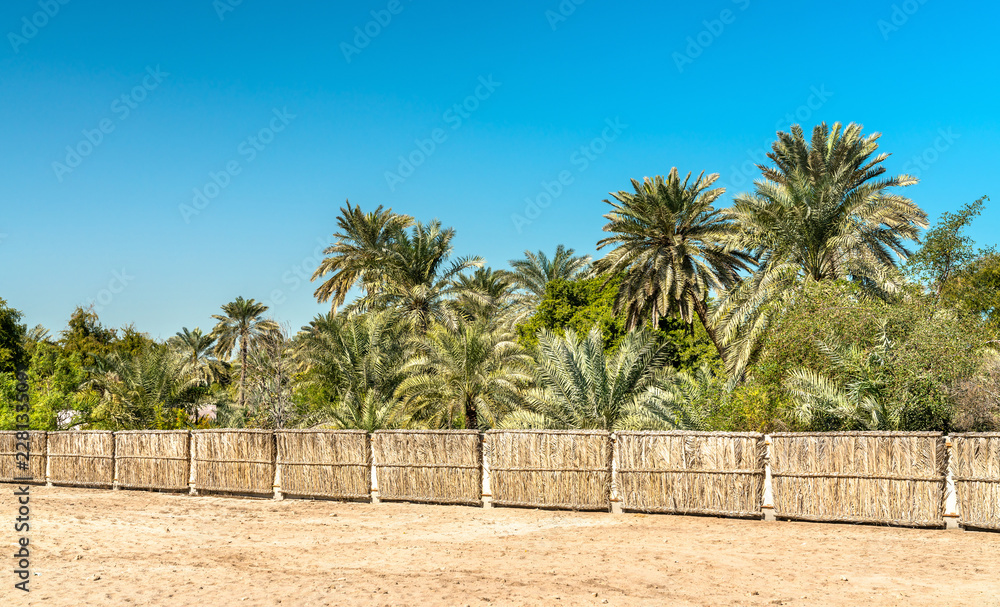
x: 975, y: 289
x: 12, y: 335
x: 577, y: 305
x: 945, y: 250
x: 687, y: 347
x: 748, y: 408
x: 837, y: 333
x: 86, y: 336
x: 353, y: 366
x: 148, y: 388
x: 581, y: 305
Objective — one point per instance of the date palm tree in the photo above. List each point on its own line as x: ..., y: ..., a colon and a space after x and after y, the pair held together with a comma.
x: 672, y: 247
x: 147, y: 388
x: 396, y: 263
x: 583, y: 387
x: 241, y: 325
x: 418, y: 277
x: 860, y: 400
x: 358, y: 256
x: 195, y: 349
x: 532, y: 273
x: 824, y: 211
x: 488, y: 296
x: 359, y: 358
x: 468, y: 376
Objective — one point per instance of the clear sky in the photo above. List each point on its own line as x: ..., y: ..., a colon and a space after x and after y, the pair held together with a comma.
x: 159, y: 159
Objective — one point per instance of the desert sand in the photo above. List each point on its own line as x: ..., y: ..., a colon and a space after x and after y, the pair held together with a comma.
x: 98, y: 547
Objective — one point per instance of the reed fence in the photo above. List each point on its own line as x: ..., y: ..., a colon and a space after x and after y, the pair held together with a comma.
x: 691, y: 472
x: 893, y: 478
x: 976, y: 472
x: 234, y: 461
x: 324, y: 463
x: 35, y: 445
x: 441, y: 466
x: 568, y: 469
x: 81, y: 458
x: 153, y: 459
x: 898, y: 478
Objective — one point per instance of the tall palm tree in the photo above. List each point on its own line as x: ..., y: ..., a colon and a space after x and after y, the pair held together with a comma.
x: 468, y: 376
x: 416, y: 278
x: 672, y: 248
x: 241, y: 325
x: 536, y: 270
x: 488, y: 296
x: 359, y: 358
x: 583, y: 387
x: 396, y: 262
x: 358, y: 256
x: 822, y: 212
x: 196, y: 350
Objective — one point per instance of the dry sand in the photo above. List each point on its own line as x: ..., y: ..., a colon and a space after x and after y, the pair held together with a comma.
x: 98, y: 547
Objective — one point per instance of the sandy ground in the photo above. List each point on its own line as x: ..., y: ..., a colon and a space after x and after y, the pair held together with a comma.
x: 95, y: 547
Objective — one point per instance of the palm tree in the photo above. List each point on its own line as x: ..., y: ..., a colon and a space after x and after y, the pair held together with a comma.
x: 672, y: 248
x: 358, y: 255
x: 536, y: 270
x: 196, y: 350
x: 823, y: 212
x: 38, y: 334
x: 142, y: 389
x: 359, y: 358
x: 861, y: 399
x: 468, y: 376
x: 241, y: 325
x: 582, y: 387
x: 396, y: 262
x: 416, y: 278
x: 488, y: 296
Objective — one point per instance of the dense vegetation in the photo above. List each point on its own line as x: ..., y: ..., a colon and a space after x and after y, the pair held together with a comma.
x: 800, y: 307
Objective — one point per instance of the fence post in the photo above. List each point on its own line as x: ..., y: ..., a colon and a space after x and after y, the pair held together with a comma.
x: 278, y: 495
x: 485, y: 446
x: 616, y: 500
x: 375, y: 494
x: 950, y: 495
x: 114, y: 461
x: 192, y: 487
x: 768, y: 506
x: 48, y: 462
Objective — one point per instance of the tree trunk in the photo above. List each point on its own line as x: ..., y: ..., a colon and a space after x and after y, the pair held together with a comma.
x: 702, y: 311
x: 243, y: 371
x: 471, y: 417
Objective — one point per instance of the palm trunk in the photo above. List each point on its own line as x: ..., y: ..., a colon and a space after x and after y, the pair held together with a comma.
x: 702, y: 311
x: 243, y: 371
x: 471, y: 417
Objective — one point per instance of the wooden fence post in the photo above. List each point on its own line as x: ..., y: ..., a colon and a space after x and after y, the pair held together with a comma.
x: 616, y: 500
x: 768, y: 506
x: 48, y: 463
x: 278, y: 495
x: 950, y: 495
x: 375, y: 494
x: 192, y: 487
x: 114, y: 461
x: 485, y: 446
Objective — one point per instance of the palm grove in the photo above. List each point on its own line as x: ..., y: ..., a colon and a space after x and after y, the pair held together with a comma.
x: 800, y: 307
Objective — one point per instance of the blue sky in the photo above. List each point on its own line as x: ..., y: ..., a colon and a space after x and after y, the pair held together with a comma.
x: 277, y: 112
